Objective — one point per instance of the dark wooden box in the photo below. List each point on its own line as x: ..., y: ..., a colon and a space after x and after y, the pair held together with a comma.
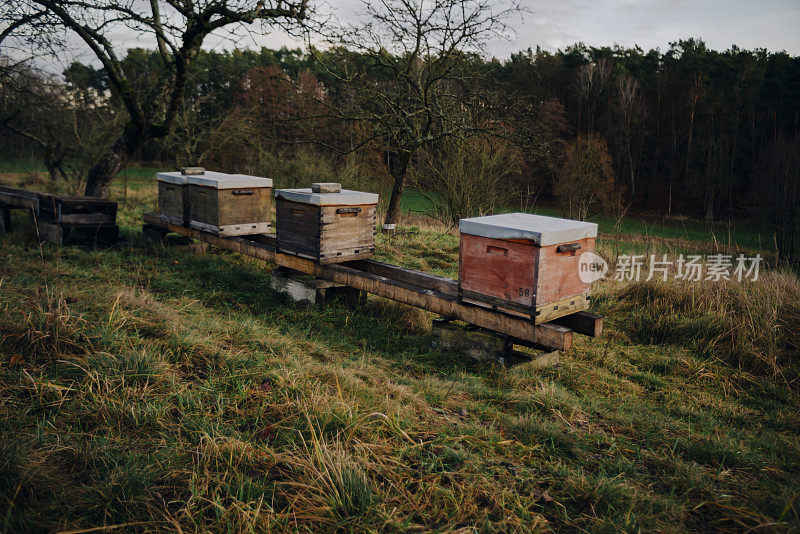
x: 229, y: 204
x: 525, y: 263
x: 172, y: 197
x: 326, y: 227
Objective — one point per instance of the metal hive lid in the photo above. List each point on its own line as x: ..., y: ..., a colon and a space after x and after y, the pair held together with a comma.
x: 540, y: 229
x: 344, y: 198
x: 221, y: 180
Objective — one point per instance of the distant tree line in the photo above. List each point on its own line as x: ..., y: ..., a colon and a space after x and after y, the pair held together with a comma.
x: 686, y: 131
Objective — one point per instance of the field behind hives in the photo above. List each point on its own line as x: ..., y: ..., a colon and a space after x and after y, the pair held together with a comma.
x: 150, y: 388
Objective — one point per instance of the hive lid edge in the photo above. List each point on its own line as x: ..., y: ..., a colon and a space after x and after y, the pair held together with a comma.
x: 171, y: 177
x: 219, y: 180
x: 542, y: 230
x: 344, y: 198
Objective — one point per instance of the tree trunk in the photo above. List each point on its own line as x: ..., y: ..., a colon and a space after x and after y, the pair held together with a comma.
x: 111, y: 163
x: 393, y: 211
x: 398, y: 166
x: 52, y: 169
x: 630, y: 164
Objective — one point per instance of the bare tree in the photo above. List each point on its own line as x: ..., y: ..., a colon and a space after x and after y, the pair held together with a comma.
x: 405, y: 73
x: 630, y: 106
x: 198, y: 133
x: 179, y: 28
x: 593, y: 79
x: 69, y: 125
x: 35, y: 109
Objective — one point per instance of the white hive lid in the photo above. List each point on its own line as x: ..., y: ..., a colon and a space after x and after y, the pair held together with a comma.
x: 541, y: 230
x: 172, y: 177
x: 221, y: 180
x: 345, y: 197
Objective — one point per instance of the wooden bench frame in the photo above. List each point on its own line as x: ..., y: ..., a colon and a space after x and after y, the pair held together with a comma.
x: 55, y: 216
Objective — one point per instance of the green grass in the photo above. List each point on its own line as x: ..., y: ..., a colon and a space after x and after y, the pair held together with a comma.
x: 682, y: 232
x: 166, y: 388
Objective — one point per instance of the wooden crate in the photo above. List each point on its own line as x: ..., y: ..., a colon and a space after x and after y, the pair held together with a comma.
x: 326, y: 227
x: 525, y: 263
x: 229, y: 204
x: 172, y: 197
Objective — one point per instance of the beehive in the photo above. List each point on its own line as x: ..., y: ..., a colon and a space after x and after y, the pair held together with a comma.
x: 326, y: 223
x: 229, y: 204
x: 525, y: 263
x: 172, y: 201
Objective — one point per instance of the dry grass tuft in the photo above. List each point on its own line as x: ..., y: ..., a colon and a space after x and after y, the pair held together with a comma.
x: 754, y: 325
x: 45, y: 328
x: 334, y: 487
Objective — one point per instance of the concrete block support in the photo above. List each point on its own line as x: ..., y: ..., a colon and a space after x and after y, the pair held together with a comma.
x: 303, y: 288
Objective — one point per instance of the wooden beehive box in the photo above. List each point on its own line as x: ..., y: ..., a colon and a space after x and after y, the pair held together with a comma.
x: 328, y: 227
x: 229, y: 204
x: 172, y: 193
x: 525, y: 264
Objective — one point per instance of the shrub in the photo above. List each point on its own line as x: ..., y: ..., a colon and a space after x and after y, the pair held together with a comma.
x: 466, y: 177
x: 586, y: 182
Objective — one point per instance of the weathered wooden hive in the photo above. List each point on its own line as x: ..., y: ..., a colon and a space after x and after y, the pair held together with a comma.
x: 326, y: 223
x: 525, y: 263
x: 229, y: 204
x: 172, y: 193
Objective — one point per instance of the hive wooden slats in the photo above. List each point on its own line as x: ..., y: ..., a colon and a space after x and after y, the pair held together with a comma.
x: 219, y: 209
x: 328, y: 234
x: 501, y: 271
x: 173, y: 202
x: 299, y: 228
x: 518, y: 276
x: 558, y: 273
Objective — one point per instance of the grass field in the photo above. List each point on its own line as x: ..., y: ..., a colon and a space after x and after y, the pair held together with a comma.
x: 147, y: 388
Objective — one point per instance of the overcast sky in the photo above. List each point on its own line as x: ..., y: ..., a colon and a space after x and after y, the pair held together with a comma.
x: 552, y: 24
x: 770, y: 24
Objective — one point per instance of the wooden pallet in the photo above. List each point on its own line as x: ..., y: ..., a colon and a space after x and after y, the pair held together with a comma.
x: 408, y: 286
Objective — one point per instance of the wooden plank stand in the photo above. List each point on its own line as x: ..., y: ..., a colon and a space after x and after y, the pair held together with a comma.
x: 416, y: 288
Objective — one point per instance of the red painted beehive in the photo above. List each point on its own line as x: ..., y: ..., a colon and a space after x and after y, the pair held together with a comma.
x: 525, y: 263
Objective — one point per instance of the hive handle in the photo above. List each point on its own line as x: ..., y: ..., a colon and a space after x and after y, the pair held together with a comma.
x: 242, y: 192
x: 568, y: 247
x: 348, y: 210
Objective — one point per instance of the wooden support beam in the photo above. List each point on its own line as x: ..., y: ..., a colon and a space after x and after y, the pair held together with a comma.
x: 87, y: 219
x: 586, y: 323
x: 448, y: 286
x: 549, y: 335
x: 13, y: 197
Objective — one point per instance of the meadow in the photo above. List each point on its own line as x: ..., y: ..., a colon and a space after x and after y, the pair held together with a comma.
x: 148, y: 388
